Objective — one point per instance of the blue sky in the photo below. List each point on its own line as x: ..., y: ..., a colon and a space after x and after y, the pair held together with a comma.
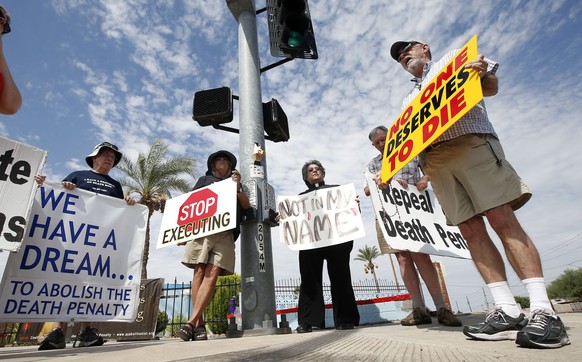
x: 126, y: 72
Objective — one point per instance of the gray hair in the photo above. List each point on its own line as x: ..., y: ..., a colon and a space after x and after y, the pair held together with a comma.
x: 376, y: 129
x: 306, y: 166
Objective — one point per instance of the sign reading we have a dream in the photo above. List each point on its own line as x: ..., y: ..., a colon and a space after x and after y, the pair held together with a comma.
x: 80, y: 260
x: 205, y: 211
x: 413, y: 220
x: 323, y: 217
x: 442, y: 102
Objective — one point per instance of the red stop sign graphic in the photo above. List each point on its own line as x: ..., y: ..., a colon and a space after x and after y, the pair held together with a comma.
x: 199, y: 205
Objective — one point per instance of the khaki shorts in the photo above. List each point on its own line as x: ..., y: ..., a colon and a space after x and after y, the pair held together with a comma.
x: 470, y: 175
x: 216, y: 249
x: 385, y: 248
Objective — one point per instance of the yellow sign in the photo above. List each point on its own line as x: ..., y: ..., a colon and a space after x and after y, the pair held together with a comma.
x: 442, y: 102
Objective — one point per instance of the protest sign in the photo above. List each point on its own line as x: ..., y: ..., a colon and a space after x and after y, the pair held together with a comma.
x: 18, y: 165
x: 142, y: 328
x: 80, y: 259
x: 413, y: 220
x: 319, y: 218
x: 206, y: 211
x: 144, y: 325
x: 442, y: 102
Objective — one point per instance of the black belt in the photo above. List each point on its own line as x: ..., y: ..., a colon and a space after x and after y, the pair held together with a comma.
x: 432, y: 146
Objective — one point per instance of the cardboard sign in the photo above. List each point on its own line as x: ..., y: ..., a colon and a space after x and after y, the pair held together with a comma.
x: 442, y: 102
x: 206, y: 211
x: 80, y: 260
x: 18, y: 165
x: 413, y: 220
x: 320, y: 218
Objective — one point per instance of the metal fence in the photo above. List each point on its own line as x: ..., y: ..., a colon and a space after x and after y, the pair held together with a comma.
x: 177, y: 304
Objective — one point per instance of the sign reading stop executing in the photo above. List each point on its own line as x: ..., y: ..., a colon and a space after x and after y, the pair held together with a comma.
x: 202, y: 212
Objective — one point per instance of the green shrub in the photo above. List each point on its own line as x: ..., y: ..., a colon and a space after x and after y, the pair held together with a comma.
x: 218, y: 308
x: 162, y: 321
x: 567, y: 286
x: 522, y: 301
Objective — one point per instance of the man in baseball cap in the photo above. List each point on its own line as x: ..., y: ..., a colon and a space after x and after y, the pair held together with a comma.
x: 401, y: 46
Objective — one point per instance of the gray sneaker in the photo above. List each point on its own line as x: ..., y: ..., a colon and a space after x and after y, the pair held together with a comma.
x: 497, y: 326
x: 544, y: 330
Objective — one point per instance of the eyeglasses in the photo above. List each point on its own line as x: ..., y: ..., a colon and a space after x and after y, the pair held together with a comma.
x: 406, y: 49
x: 107, y: 154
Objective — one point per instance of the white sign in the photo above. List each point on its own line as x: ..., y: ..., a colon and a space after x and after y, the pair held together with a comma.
x: 18, y: 165
x: 80, y: 260
x: 206, y: 211
x: 323, y: 217
x: 413, y: 220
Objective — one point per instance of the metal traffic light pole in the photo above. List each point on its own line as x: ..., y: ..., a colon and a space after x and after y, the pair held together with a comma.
x: 258, y: 304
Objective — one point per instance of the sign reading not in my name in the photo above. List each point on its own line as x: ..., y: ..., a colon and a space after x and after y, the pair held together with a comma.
x: 323, y: 217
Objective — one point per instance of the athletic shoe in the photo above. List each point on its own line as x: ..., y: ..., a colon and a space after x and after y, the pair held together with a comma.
x: 417, y: 316
x: 88, y: 337
x: 497, y: 326
x: 54, y: 340
x: 304, y: 328
x: 447, y: 318
x: 544, y: 330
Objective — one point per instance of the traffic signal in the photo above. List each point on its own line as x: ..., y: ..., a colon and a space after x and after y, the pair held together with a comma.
x: 212, y: 107
x: 290, y: 29
x: 275, y: 122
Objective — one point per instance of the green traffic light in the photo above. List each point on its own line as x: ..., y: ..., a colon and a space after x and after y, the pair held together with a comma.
x: 295, y: 39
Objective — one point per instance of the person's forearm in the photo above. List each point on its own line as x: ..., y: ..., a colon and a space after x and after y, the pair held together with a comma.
x: 489, y: 84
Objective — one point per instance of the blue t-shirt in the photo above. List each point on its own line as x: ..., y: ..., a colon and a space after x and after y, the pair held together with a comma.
x: 95, y: 182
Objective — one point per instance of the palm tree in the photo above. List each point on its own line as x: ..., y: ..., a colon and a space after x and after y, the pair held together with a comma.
x: 154, y: 176
x: 367, y: 255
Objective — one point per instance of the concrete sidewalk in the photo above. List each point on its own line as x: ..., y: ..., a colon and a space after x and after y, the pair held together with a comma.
x: 385, y: 342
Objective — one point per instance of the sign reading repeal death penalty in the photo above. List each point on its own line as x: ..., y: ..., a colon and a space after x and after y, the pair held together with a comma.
x: 18, y: 165
x: 319, y: 218
x: 442, y: 102
x: 206, y: 211
x: 413, y: 220
x: 80, y: 260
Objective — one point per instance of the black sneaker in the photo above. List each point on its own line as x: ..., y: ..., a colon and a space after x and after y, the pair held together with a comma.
x: 88, y: 338
x: 304, y: 328
x: 54, y: 340
x: 344, y: 326
x: 544, y: 330
x: 497, y: 326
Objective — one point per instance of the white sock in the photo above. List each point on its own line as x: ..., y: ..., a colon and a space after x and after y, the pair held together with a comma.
x: 538, y: 296
x: 503, y: 298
